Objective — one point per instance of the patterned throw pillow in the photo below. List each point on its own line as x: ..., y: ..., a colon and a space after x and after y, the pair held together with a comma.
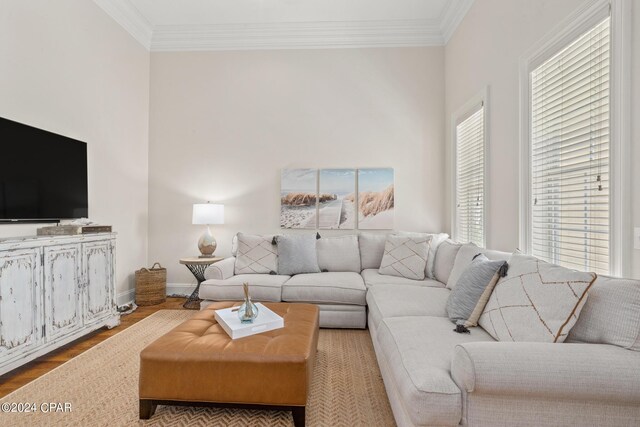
x: 405, y: 256
x: 536, y: 301
x: 256, y: 255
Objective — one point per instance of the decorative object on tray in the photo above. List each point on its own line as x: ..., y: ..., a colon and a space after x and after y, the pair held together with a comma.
x: 151, y: 285
x: 207, y: 214
x: 248, y: 311
x: 266, y: 320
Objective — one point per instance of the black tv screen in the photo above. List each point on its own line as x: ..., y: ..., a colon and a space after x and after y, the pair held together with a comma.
x: 43, y: 176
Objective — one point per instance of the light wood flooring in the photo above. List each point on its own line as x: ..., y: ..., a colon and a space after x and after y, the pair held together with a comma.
x: 40, y: 366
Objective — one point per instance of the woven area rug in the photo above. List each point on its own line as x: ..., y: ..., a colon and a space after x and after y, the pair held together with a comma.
x: 101, y: 386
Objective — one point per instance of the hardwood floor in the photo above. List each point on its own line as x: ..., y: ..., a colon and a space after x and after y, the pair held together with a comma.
x: 32, y: 370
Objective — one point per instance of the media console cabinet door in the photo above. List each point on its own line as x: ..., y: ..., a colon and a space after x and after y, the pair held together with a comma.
x: 20, y: 302
x: 98, y: 276
x: 63, y: 288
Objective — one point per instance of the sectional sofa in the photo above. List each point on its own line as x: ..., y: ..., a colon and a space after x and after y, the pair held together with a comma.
x: 436, y: 377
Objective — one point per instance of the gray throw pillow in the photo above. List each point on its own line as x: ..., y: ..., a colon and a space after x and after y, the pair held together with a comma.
x: 470, y: 295
x: 297, y: 254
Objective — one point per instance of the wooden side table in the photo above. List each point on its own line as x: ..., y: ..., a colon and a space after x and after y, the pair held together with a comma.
x: 197, y: 266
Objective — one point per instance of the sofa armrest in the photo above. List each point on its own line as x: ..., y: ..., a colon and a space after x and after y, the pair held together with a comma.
x: 221, y: 270
x: 561, y: 371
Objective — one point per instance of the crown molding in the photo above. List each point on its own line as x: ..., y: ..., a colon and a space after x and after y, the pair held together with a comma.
x: 452, y: 16
x: 129, y: 18
x: 287, y: 35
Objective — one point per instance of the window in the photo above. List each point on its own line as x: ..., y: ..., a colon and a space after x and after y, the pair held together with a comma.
x: 569, y: 153
x: 469, y: 175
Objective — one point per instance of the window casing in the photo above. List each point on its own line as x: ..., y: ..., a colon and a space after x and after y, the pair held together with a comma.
x: 569, y: 153
x: 469, y: 184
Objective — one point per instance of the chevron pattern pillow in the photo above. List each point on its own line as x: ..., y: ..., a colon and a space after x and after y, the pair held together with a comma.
x: 536, y: 301
x: 256, y: 255
x: 405, y: 256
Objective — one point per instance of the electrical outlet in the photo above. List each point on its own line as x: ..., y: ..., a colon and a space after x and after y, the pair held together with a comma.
x: 636, y: 238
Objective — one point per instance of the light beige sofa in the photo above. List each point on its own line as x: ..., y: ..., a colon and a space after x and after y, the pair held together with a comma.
x: 436, y: 377
x: 339, y: 292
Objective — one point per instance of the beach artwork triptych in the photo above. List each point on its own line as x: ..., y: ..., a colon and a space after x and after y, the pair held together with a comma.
x: 337, y: 199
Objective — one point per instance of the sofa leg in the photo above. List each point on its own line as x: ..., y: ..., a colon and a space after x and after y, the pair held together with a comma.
x: 298, y: 413
x: 147, y: 409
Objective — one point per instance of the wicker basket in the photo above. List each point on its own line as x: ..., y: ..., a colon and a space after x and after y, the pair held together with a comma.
x: 151, y: 285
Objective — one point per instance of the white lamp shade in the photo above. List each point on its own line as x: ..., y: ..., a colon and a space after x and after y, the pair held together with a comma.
x: 208, y: 213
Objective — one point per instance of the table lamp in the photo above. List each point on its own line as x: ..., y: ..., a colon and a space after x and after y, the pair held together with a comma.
x: 207, y: 214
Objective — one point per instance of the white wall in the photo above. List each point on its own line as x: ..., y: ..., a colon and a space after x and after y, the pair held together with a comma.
x: 223, y: 125
x: 635, y: 130
x: 485, y: 51
x: 67, y: 67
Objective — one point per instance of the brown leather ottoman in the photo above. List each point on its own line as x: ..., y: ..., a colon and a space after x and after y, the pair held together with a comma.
x: 198, y: 364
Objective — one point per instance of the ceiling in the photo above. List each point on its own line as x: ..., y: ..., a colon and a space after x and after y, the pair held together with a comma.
x: 177, y: 25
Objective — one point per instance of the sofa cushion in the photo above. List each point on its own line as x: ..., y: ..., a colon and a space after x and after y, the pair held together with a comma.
x: 536, y: 301
x: 611, y: 314
x: 472, y: 292
x: 418, y: 352
x: 326, y: 288
x: 494, y: 255
x: 256, y: 254
x: 297, y: 254
x: 263, y: 287
x: 372, y: 278
x: 463, y: 260
x: 444, y: 259
x: 405, y: 256
x: 371, y: 249
x: 386, y: 301
x: 338, y: 254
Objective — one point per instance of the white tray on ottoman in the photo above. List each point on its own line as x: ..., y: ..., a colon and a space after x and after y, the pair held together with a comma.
x: 267, y: 320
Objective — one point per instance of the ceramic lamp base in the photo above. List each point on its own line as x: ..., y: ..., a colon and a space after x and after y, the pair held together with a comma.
x: 207, y: 244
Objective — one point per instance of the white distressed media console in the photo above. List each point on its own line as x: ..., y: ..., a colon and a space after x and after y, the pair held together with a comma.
x: 53, y: 290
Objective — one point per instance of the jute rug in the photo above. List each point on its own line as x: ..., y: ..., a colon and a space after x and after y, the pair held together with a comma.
x: 101, y: 386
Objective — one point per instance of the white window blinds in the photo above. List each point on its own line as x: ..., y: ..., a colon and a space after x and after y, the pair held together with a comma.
x: 470, y: 142
x: 570, y: 154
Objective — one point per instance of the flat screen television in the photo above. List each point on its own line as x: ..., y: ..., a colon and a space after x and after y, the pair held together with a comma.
x: 43, y: 175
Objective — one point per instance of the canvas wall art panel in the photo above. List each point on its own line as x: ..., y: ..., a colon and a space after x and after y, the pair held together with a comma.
x: 337, y: 197
x: 375, y: 199
x: 298, y: 198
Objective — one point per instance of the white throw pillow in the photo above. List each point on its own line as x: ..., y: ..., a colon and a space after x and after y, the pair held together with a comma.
x: 405, y: 256
x: 436, y: 239
x: 338, y: 253
x: 536, y: 301
x: 256, y: 255
x: 611, y: 314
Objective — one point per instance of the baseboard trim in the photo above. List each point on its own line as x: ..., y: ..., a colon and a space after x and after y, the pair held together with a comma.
x: 126, y: 297
x: 182, y: 289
